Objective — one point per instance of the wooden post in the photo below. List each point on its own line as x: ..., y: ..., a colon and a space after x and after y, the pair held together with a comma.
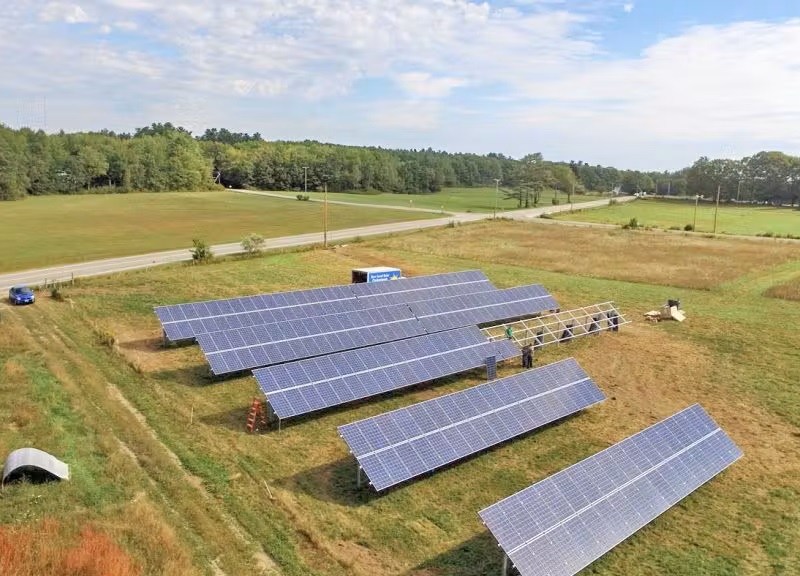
x: 716, y: 210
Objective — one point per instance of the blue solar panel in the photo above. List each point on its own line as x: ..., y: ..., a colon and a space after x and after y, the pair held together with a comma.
x: 245, y: 348
x: 399, y: 445
x: 308, y: 385
x: 180, y: 313
x: 191, y: 328
x: 483, y: 308
x: 368, y: 289
x: 185, y: 321
x: 564, y: 523
x: 428, y: 293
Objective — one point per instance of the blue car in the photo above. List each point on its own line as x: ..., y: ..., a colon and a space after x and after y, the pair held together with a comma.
x: 21, y: 295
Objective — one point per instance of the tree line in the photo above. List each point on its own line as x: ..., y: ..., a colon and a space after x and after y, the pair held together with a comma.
x: 164, y: 157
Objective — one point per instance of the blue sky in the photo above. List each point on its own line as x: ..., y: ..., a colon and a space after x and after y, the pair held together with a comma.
x: 651, y: 84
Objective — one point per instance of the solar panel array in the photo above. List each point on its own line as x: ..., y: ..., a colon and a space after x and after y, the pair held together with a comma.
x: 186, y: 321
x: 245, y: 348
x: 305, y: 386
x: 565, y: 522
x: 484, y: 307
x: 399, y: 445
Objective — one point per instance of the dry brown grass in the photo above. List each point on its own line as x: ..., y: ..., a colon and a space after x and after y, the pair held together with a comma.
x: 786, y: 291
x: 651, y: 257
x: 49, y: 548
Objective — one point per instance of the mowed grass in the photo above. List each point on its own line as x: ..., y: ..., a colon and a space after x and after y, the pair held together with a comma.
x: 745, y: 220
x: 50, y: 230
x: 649, y: 257
x: 292, y: 493
x: 449, y: 199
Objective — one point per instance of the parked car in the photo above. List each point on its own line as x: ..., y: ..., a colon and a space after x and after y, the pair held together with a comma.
x: 21, y: 295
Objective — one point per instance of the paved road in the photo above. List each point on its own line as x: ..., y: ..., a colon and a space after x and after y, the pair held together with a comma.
x: 341, y: 202
x: 66, y: 272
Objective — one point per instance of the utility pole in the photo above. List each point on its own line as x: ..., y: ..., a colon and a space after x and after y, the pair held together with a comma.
x: 305, y: 180
x: 496, y: 192
x: 738, y: 190
x: 325, y: 219
x: 694, y: 223
x: 716, y: 210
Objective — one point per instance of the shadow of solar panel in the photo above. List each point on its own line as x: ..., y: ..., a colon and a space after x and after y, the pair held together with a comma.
x: 483, y: 308
x: 565, y: 522
x: 399, y: 445
x: 246, y: 348
x: 305, y: 386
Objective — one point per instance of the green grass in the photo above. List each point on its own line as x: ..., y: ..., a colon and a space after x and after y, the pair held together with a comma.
x: 746, y: 220
x: 736, y: 355
x: 448, y: 200
x: 51, y: 230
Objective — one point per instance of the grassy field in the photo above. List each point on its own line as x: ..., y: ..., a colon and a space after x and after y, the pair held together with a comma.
x: 746, y: 220
x: 151, y: 437
x: 449, y: 199
x: 788, y: 291
x: 53, y: 230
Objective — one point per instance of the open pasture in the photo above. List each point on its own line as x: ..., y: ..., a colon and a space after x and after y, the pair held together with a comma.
x: 744, y: 220
x: 144, y: 426
x: 50, y: 230
x: 478, y: 199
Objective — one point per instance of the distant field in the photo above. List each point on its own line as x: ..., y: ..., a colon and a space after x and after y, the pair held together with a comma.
x: 163, y: 467
x: 747, y: 220
x: 49, y: 230
x: 449, y: 199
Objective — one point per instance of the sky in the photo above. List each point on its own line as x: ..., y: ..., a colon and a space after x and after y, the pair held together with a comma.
x: 648, y: 84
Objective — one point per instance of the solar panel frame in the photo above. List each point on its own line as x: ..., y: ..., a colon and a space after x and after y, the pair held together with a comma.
x: 565, y: 522
x: 358, y: 374
x: 399, y: 445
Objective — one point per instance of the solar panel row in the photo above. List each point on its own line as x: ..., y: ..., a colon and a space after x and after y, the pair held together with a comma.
x: 565, y: 522
x: 484, y: 307
x: 211, y: 308
x: 192, y: 328
x: 223, y: 307
x: 352, y: 334
x: 434, y: 293
x: 305, y: 386
x: 399, y: 445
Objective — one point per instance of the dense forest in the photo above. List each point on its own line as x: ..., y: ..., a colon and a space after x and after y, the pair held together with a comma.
x: 165, y: 157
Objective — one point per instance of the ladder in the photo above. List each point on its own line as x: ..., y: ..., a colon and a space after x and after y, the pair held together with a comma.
x: 257, y: 417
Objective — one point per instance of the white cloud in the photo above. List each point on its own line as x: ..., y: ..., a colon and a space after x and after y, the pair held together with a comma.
x: 406, y: 115
x: 64, y: 12
x: 424, y: 85
x: 527, y: 74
